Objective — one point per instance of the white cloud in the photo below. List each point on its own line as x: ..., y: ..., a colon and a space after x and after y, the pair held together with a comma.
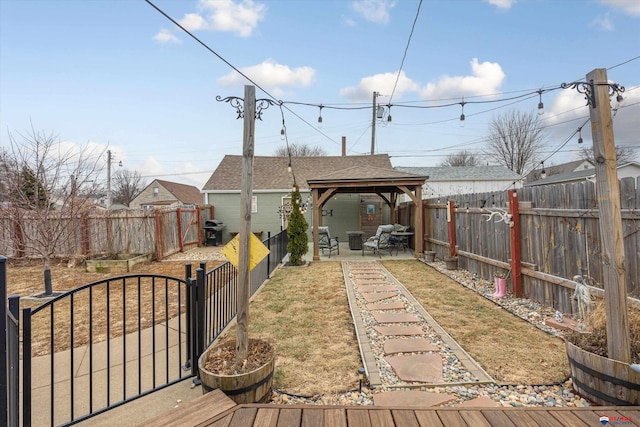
x: 165, y: 36
x: 630, y: 7
x: 501, y: 4
x: 241, y: 17
x: 374, y: 10
x: 485, y: 78
x: 382, y: 83
x: 272, y: 76
x: 603, y: 22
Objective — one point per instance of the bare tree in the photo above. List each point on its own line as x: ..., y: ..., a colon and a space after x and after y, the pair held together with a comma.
x: 623, y: 154
x: 300, y: 150
x: 43, y: 178
x: 126, y: 185
x: 461, y: 158
x: 515, y: 141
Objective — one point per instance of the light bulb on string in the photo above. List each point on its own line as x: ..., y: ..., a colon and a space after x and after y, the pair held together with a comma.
x: 389, y: 116
x: 320, y: 117
x: 543, y: 174
x: 462, y: 117
x: 540, y: 104
x: 580, y: 135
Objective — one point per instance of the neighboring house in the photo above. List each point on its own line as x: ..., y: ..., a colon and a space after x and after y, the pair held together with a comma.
x: 627, y: 170
x: 161, y: 193
x: 453, y: 180
x: 272, y: 185
x: 564, y: 168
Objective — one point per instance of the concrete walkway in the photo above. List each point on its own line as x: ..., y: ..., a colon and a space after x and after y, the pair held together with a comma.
x: 401, y: 345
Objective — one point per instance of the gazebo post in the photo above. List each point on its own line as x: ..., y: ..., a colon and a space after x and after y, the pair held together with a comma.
x: 317, y: 214
x: 417, y: 222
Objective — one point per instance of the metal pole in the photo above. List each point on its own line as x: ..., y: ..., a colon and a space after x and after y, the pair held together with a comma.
x: 108, y: 179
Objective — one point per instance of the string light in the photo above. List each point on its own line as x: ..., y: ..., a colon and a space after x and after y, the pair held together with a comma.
x: 462, y: 114
x: 543, y: 174
x: 540, y: 104
x: 580, y: 135
x: 389, y: 116
x: 320, y: 117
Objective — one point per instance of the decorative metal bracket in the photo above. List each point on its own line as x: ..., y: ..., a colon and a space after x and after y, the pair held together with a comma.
x: 238, y: 104
x: 588, y: 89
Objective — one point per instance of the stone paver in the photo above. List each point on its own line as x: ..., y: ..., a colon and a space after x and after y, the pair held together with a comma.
x: 373, y: 288
x: 396, y: 318
x: 413, y: 345
x: 480, y: 402
x: 424, y: 368
x: 395, y: 305
x: 399, y: 330
x: 378, y: 296
x: 411, y: 399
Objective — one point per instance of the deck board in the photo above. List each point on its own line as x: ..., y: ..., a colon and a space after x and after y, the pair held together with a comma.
x: 216, y: 410
x: 289, y: 417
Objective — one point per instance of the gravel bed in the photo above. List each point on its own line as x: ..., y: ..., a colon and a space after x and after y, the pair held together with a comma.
x: 544, y: 395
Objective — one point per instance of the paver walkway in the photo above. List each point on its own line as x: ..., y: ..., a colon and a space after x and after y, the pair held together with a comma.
x: 401, y: 345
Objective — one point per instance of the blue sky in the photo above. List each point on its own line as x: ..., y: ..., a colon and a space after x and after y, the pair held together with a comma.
x: 118, y: 74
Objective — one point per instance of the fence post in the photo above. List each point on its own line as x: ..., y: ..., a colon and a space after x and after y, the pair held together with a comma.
x: 187, y: 314
x: 179, y: 225
x: 200, y: 224
x: 3, y: 342
x: 159, y: 248
x: 26, y: 366
x: 516, y: 249
x: 13, y: 357
x: 269, y: 256
x: 199, y: 315
x: 84, y: 233
x: 451, y: 219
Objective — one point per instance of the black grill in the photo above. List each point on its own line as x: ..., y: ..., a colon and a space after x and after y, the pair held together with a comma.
x: 213, y: 232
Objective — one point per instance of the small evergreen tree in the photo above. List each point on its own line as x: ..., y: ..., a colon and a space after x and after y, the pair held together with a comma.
x: 297, y: 231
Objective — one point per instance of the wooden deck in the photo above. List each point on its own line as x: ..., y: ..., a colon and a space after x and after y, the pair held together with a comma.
x: 216, y: 410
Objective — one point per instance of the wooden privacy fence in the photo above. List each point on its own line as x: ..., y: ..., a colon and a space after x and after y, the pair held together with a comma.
x: 559, y: 237
x: 160, y: 232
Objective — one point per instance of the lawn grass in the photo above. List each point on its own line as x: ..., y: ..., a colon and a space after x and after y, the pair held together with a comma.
x: 510, y: 349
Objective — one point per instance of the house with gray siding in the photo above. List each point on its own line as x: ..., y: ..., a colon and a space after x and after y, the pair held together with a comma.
x: 273, y: 181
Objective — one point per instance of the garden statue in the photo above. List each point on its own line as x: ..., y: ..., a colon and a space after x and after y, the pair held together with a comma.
x: 581, y: 298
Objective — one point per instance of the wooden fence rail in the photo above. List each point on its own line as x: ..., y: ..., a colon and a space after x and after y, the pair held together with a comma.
x: 160, y: 232
x: 560, y: 237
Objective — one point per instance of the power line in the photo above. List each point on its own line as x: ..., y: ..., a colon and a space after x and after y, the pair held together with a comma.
x: 405, y: 52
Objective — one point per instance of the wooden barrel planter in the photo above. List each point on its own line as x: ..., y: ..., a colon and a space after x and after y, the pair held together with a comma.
x: 429, y: 256
x: 250, y: 387
x: 451, y: 262
x: 602, y: 380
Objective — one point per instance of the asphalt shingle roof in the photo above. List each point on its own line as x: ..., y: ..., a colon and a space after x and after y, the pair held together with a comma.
x: 187, y: 194
x: 271, y: 172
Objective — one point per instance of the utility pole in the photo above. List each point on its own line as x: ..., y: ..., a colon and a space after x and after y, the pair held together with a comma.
x: 373, y: 123
x: 608, y: 193
x: 108, y: 179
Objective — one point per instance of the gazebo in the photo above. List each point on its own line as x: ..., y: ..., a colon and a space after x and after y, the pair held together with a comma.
x: 386, y: 183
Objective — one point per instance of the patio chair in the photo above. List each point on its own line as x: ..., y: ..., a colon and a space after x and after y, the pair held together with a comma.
x: 326, y: 242
x: 381, y: 240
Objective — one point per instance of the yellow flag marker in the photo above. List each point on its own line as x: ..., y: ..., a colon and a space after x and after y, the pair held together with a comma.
x: 257, y: 251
